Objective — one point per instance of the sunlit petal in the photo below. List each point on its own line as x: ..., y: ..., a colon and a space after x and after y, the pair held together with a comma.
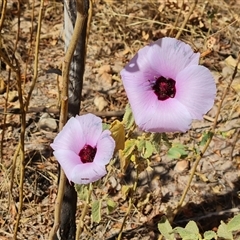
x: 71, y: 137
x: 87, y: 173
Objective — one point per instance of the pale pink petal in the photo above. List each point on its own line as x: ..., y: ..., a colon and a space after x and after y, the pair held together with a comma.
x: 68, y: 161
x: 87, y: 173
x: 70, y: 137
x: 138, y: 70
x: 196, y: 90
x: 153, y: 115
x: 92, y: 128
x: 168, y: 56
x: 105, y: 148
x: 161, y: 116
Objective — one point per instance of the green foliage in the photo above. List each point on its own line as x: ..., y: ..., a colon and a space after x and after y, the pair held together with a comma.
x: 191, y: 231
x: 177, y: 151
x: 145, y: 148
x: 223, y: 231
x: 82, y: 191
x: 234, y: 224
x: 128, y: 118
x: 126, y: 190
x: 105, y: 126
x: 96, y: 210
x: 209, y: 235
x: 126, y: 154
x: 149, y: 149
x: 165, y: 228
x: 156, y: 140
x: 205, y: 138
x: 130, y: 146
x: 111, y: 205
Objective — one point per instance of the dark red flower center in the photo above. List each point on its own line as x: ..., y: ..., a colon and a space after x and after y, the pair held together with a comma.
x: 87, y: 154
x: 164, y: 88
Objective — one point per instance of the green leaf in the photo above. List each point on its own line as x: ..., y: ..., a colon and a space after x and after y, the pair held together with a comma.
x: 223, y: 232
x: 186, y: 234
x: 111, y: 205
x: 234, y: 224
x: 140, y: 145
x: 156, y: 140
x: 192, y: 227
x: 82, y: 191
x: 148, y: 149
x: 126, y: 154
x: 209, y: 235
x: 165, y: 228
x: 176, y: 151
x: 96, y: 210
x: 128, y: 119
x: 105, y: 126
x: 125, y: 190
x: 173, y: 153
x: 129, y: 147
x: 205, y: 138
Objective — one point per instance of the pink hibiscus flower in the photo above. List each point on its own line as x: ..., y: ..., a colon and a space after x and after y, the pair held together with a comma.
x: 83, y: 149
x: 166, y: 87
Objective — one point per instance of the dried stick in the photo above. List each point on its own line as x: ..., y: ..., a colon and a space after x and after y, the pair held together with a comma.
x: 193, y: 170
x: 3, y: 13
x: 130, y: 202
x: 5, y: 116
x: 186, y: 19
x: 53, y: 110
x: 31, y: 43
x: 64, y: 107
x: 84, y: 212
x: 23, y: 108
x: 14, y: 69
x: 35, y: 74
x: 176, y: 20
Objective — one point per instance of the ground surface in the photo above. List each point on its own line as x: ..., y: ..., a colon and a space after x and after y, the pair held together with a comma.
x: 118, y: 30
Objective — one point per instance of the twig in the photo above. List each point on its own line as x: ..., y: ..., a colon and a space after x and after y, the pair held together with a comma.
x: 210, y: 215
x: 118, y: 113
x: 83, y: 213
x: 176, y: 20
x: 5, y: 116
x: 186, y: 19
x: 145, y: 20
x: 130, y: 202
x: 64, y: 107
x: 35, y: 74
x: 23, y: 108
x: 193, y: 170
x: 31, y: 43
x: 234, y: 144
x: 3, y: 13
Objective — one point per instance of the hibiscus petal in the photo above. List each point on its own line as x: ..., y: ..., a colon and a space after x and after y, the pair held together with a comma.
x: 196, y: 89
x: 105, y: 148
x: 70, y: 137
x: 138, y: 70
x: 153, y: 115
x: 92, y: 128
x: 162, y: 116
x: 68, y: 161
x: 168, y: 56
x: 87, y: 173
